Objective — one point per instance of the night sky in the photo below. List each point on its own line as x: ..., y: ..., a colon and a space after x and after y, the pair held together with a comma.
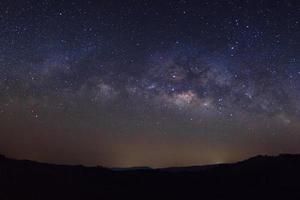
x: 149, y: 83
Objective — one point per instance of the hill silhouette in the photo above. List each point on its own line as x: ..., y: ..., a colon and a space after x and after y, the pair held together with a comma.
x: 260, y: 177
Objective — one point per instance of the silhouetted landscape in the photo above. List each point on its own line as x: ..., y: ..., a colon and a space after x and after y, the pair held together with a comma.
x: 260, y: 177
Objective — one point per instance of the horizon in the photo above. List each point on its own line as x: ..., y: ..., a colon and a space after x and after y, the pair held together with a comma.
x: 116, y: 168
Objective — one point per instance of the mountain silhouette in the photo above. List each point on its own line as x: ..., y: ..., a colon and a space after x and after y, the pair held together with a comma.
x: 260, y: 177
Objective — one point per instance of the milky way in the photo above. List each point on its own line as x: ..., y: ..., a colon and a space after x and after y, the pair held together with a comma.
x: 157, y: 83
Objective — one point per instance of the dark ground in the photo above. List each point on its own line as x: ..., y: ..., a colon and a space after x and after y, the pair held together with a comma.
x: 261, y: 177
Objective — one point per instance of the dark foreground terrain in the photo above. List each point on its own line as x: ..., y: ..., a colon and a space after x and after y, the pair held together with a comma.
x: 261, y: 177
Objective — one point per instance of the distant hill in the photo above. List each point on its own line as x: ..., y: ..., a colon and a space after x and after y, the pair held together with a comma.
x: 260, y: 177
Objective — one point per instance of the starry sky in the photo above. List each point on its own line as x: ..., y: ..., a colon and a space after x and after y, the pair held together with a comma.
x: 149, y: 83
